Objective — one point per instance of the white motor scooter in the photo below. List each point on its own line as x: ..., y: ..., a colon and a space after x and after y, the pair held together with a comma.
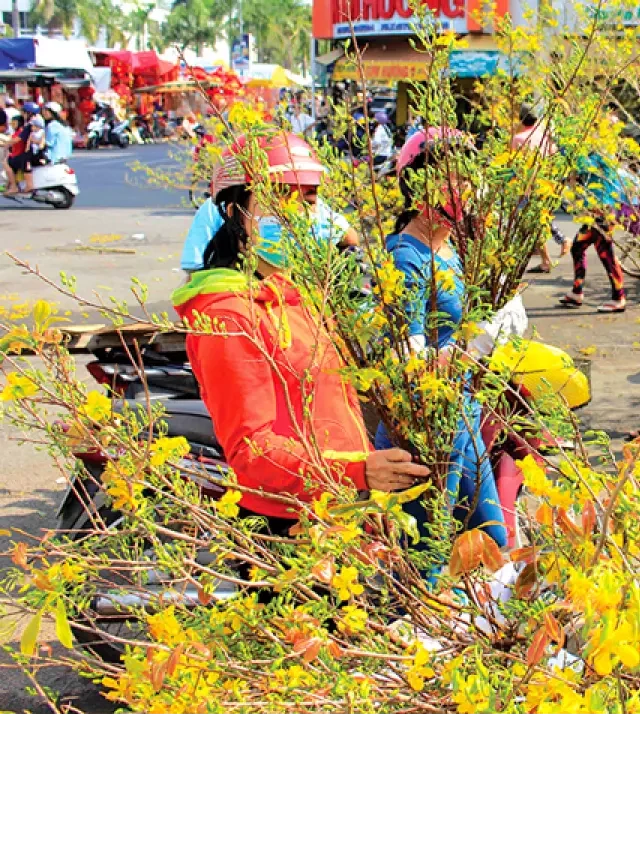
x: 55, y: 184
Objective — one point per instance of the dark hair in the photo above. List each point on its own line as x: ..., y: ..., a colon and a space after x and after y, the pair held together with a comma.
x: 3, y: 117
x: 19, y: 118
x: 528, y: 115
x: 227, y: 244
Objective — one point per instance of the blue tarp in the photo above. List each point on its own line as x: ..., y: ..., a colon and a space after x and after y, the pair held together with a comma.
x: 17, y: 53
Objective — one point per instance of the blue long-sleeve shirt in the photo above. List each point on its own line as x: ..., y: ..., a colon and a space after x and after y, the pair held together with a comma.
x: 415, y: 259
x: 59, y: 141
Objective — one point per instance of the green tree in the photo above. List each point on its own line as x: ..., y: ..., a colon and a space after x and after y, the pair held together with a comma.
x: 91, y: 16
x: 282, y: 30
x: 194, y: 23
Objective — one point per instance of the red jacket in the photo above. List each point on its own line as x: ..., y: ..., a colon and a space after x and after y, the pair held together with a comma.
x: 257, y: 406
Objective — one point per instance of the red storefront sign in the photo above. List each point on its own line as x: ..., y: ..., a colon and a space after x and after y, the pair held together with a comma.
x: 334, y: 18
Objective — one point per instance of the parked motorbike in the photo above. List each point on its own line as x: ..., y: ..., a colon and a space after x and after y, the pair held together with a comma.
x: 55, y: 184
x: 109, y: 620
x: 101, y: 131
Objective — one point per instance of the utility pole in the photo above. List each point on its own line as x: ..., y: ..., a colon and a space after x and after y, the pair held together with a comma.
x: 15, y: 19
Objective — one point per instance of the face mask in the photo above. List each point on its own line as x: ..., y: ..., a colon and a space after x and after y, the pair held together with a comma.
x: 269, y: 246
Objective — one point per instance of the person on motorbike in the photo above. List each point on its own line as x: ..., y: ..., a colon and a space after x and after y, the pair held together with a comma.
x: 19, y: 159
x: 268, y: 354
x: 58, y: 135
x: 419, y: 246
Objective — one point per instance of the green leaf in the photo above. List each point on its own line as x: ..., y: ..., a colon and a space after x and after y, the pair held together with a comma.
x: 29, y: 637
x: 41, y: 312
x: 63, y: 630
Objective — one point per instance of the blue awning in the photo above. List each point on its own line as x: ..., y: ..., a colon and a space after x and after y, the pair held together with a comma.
x: 478, y: 63
x: 17, y: 53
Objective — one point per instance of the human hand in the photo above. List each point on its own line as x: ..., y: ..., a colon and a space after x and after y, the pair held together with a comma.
x: 392, y: 470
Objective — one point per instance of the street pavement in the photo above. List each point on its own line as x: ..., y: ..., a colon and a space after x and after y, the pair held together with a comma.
x: 121, y: 229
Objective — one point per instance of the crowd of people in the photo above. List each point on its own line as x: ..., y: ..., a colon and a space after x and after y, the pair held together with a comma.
x: 31, y: 137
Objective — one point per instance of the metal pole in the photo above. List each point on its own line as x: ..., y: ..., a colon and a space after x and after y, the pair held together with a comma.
x: 312, y: 59
x: 15, y: 19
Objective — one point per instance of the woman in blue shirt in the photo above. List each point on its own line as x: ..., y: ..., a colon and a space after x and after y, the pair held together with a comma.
x: 419, y: 247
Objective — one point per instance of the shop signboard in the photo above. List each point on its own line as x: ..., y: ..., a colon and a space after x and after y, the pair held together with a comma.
x: 335, y: 18
x: 241, y: 56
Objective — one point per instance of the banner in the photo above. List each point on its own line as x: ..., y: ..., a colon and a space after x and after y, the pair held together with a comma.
x: 241, y: 50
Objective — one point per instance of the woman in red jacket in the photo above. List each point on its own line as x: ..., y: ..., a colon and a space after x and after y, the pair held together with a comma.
x: 268, y: 371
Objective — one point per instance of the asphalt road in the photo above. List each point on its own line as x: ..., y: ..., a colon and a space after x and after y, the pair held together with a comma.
x: 106, y: 178
x: 121, y: 229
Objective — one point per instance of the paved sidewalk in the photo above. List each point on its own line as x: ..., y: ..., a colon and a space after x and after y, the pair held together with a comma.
x: 612, y: 342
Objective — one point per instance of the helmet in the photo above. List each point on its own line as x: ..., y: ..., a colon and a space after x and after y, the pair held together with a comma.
x: 31, y: 108
x: 291, y: 160
x: 53, y: 107
x: 424, y: 141
x: 381, y: 117
x: 37, y: 121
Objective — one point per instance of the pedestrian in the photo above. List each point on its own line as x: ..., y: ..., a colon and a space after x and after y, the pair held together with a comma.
x: 268, y: 354
x: 531, y: 134
x: 382, y: 140
x: 603, y: 191
x: 420, y: 247
x: 301, y: 122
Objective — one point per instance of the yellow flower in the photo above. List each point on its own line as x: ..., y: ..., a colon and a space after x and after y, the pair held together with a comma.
x: 18, y: 387
x: 346, y: 583
x: 390, y: 281
x: 446, y: 280
x: 353, y: 619
x: 537, y: 482
x: 473, y: 695
x: 124, y: 494
x: 165, y: 449
x: 420, y: 669
x: 97, y: 407
x: 227, y: 506
x: 608, y: 647
x: 165, y: 628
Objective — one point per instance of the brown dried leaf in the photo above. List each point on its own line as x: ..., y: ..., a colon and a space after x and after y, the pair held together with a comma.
x: 158, y: 672
x: 544, y: 515
x: 174, y: 659
x: 526, y: 582
x: 538, y: 646
x: 589, y: 518
x: 324, y: 570
x: 467, y: 553
x: 491, y: 554
x: 19, y: 555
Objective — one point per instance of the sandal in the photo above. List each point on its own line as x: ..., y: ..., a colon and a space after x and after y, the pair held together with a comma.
x: 613, y: 307
x: 539, y: 269
x: 570, y: 301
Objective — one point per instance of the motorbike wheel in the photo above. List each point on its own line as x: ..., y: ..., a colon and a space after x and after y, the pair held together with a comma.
x: 102, y: 636
x: 92, y: 143
x: 123, y: 141
x: 69, y: 198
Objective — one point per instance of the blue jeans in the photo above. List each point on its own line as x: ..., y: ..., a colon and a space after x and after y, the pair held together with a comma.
x: 469, y: 473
